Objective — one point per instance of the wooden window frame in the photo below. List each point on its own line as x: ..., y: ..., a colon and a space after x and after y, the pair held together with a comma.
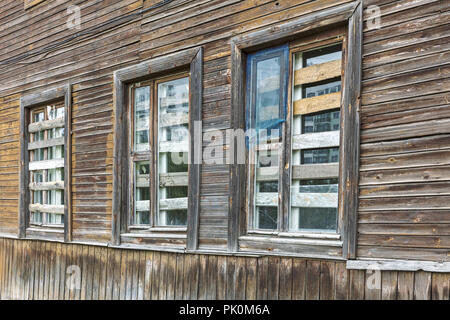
x: 351, y: 16
x: 192, y: 60
x: 27, y: 103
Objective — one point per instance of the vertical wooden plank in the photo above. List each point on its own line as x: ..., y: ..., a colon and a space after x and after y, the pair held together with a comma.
x: 163, y: 276
x: 103, y: 262
x: 202, y: 283
x: 62, y: 270
x: 57, y: 274
x: 405, y: 287
x: 299, y: 279
x: 96, y: 272
x: 373, y: 285
x: 156, y: 275
x: 123, y: 275
x: 171, y: 276
x: 273, y: 280
x: 69, y: 253
x: 42, y: 269
x: 422, y: 285
x: 263, y: 267
x: 2, y: 269
x: 179, y: 277
x: 212, y: 277
x: 327, y: 280
x: 187, y: 276
x: 148, y: 275
x: 389, y: 285
x: 357, y: 284
x: 135, y: 283
x: 79, y: 261
x: 14, y: 273
x: 252, y: 271
x: 194, y: 277
x: 111, y: 267
x: 129, y: 274
x: 116, y: 274
x: 84, y: 271
x: 141, y: 278
x: 52, y: 270
x: 440, y: 286
x: 221, y: 289
x: 241, y: 278
x: 286, y: 279
x: 231, y: 278
x: 342, y: 281
x: 312, y: 280
x: 90, y: 272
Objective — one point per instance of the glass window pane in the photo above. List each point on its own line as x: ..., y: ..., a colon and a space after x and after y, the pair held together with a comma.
x: 318, y: 219
x: 267, y: 218
x: 321, y: 122
x: 321, y: 88
x: 173, y: 145
x: 141, y: 118
x: 142, y: 193
x: 325, y: 155
x: 322, y: 55
x: 267, y: 95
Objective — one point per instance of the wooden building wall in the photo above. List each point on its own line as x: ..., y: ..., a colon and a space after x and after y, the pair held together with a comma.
x: 46, y: 270
x: 404, y: 209
x: 404, y: 205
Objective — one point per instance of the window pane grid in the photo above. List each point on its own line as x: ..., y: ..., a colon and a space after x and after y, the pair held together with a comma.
x: 47, y: 177
x: 314, y: 201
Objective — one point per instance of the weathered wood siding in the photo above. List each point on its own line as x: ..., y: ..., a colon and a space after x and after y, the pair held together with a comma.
x: 404, y: 203
x: 47, y: 270
x: 404, y: 209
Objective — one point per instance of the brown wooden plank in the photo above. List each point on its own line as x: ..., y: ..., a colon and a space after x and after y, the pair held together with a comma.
x: 422, y: 285
x: 312, y: 280
x: 299, y: 279
x: 357, y: 284
x: 440, y: 286
x: 286, y: 279
x: 405, y: 285
x: 327, y: 280
x: 389, y: 285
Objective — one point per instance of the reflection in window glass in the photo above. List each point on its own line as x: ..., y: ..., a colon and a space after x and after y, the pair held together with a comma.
x: 173, y: 145
x: 322, y: 55
x: 321, y: 122
x: 141, y: 118
x: 321, y: 88
x: 325, y: 155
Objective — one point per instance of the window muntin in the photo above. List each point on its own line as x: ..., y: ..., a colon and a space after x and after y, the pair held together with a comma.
x: 314, y: 136
x: 46, y: 173
x: 160, y: 122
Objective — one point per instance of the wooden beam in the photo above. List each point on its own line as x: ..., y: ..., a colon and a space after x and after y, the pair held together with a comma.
x: 350, y: 138
x: 326, y: 139
x: 307, y: 200
x: 47, y: 208
x: 399, y: 265
x: 317, y: 104
x: 46, y: 164
x: 315, y: 171
x: 267, y: 174
x: 173, y: 119
x: 46, y: 143
x: 318, y: 72
x: 53, y: 185
x: 174, y: 146
x: 173, y: 204
x: 45, y: 125
x: 173, y: 179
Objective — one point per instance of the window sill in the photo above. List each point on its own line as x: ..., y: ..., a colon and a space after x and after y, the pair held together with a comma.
x: 291, y: 240
x: 297, y: 235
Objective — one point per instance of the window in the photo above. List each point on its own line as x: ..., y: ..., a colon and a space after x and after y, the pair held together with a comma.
x: 297, y: 191
x: 158, y: 151
x: 45, y: 164
x: 46, y: 167
x: 314, y: 151
x: 160, y: 122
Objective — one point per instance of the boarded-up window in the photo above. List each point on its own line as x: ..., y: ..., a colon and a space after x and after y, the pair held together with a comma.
x: 46, y: 164
x: 308, y: 144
